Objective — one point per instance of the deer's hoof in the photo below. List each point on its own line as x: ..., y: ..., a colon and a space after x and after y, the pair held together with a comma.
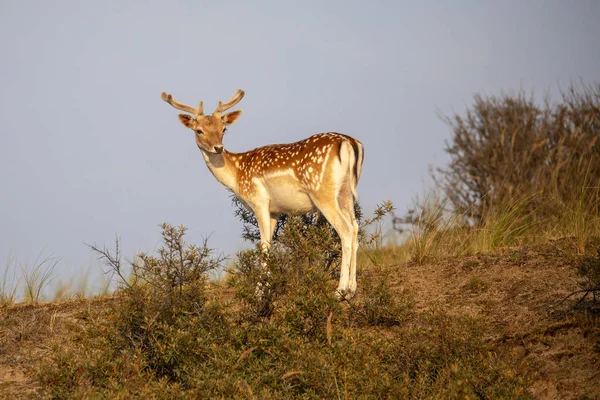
x: 344, y: 294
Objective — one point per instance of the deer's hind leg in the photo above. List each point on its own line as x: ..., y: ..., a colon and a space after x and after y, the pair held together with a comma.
x: 346, y: 202
x: 335, y: 215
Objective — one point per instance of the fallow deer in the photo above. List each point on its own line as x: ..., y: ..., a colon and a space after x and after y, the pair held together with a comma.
x: 318, y: 173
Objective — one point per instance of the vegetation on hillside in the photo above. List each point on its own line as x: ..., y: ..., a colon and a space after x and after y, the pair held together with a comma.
x: 518, y: 174
x: 170, y: 333
x: 506, y: 148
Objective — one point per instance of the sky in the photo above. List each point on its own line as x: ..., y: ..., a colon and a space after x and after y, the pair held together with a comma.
x: 88, y: 150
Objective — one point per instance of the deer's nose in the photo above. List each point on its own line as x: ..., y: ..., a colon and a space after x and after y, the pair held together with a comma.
x: 219, y: 149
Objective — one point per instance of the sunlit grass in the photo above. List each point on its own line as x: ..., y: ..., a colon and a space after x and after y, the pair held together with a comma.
x: 37, y: 276
x: 580, y: 219
x: 79, y: 286
x: 507, y: 225
x: 9, y: 282
x: 435, y: 232
x: 41, y: 281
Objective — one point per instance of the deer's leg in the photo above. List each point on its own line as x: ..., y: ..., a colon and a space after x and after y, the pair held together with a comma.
x: 332, y: 211
x: 274, y: 218
x: 353, y: 283
x: 346, y: 200
x: 263, y: 217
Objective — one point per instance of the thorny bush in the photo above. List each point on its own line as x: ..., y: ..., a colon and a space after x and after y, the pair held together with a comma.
x: 163, y: 298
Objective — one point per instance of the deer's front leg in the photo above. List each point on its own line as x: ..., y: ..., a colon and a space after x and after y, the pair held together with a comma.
x: 274, y: 218
x: 263, y: 217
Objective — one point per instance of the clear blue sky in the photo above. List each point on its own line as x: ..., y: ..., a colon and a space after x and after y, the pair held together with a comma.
x: 88, y: 149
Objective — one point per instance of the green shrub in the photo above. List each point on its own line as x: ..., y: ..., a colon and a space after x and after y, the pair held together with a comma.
x: 163, y: 311
x: 293, y: 278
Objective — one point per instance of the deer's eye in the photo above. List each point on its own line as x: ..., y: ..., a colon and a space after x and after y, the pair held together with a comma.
x: 199, y: 131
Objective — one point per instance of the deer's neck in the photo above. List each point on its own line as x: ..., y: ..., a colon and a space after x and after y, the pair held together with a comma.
x: 223, y: 168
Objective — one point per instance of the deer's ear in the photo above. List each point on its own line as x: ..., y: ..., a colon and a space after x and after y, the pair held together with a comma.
x: 186, y: 120
x: 231, y: 117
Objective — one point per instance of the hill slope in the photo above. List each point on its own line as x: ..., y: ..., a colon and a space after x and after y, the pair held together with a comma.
x: 513, y: 295
x: 518, y: 293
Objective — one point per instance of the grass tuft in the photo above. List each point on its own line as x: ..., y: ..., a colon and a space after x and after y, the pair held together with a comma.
x: 38, y: 276
x: 9, y: 283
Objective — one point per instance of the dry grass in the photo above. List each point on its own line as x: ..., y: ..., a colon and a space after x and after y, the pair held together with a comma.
x: 435, y: 232
x: 28, y: 334
x: 38, y: 276
x: 39, y: 281
x: 9, y: 283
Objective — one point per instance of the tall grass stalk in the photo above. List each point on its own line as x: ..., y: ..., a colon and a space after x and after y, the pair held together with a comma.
x: 9, y: 283
x: 79, y: 287
x: 430, y: 223
x: 62, y: 291
x: 581, y: 220
x: 38, y: 277
x: 437, y: 232
x: 507, y: 225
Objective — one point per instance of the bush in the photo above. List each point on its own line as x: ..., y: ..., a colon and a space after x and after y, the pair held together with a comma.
x: 294, y: 274
x: 519, y: 173
x: 509, y: 147
x: 163, y: 310
x: 306, y: 252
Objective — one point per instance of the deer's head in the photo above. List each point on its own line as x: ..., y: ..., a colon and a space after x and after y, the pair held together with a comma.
x: 208, y: 129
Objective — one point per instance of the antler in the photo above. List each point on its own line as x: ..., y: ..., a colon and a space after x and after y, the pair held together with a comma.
x: 237, y: 97
x: 183, y: 107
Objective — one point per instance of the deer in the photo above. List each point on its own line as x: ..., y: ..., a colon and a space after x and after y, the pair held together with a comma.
x: 319, y: 173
